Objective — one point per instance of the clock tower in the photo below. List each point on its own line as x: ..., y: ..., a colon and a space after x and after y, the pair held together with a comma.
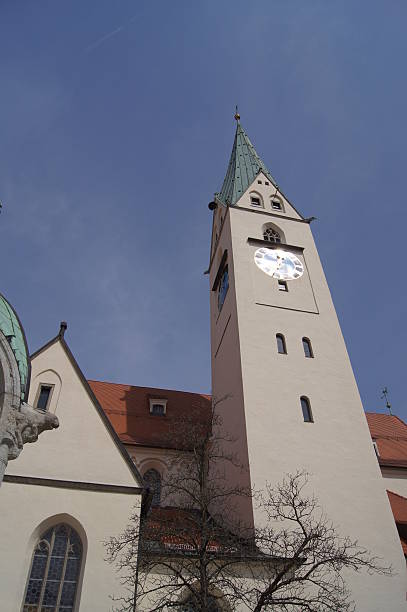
x: 280, y: 369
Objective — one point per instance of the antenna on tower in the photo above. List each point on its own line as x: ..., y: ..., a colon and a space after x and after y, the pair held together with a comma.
x: 384, y: 396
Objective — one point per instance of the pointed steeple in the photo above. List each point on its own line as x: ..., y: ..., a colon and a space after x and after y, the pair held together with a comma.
x: 244, y: 166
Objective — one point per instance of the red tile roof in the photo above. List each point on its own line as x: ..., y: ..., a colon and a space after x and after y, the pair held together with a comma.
x: 390, y: 434
x: 128, y: 409
x: 399, y: 507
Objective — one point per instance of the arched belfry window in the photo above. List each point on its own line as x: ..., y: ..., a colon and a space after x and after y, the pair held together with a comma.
x: 153, y: 480
x: 54, y: 572
x: 272, y: 234
x: 281, y: 347
x: 306, y: 409
x: 306, y: 343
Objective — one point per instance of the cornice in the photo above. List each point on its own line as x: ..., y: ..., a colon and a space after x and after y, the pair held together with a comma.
x: 73, y: 484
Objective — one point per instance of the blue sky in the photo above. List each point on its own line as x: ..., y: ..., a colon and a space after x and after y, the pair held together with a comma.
x: 117, y: 125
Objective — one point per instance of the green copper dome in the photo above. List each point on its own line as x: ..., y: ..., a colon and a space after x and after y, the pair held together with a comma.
x: 14, y: 332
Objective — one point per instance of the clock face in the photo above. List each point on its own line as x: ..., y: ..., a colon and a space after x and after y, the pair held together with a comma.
x: 278, y: 263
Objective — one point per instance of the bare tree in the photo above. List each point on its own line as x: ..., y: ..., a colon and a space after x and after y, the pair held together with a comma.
x: 191, y: 553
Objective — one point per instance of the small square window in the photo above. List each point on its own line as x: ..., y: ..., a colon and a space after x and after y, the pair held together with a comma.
x: 255, y: 201
x: 282, y: 285
x: 259, y: 182
x: 44, y: 396
x: 266, y: 183
x: 276, y: 205
x: 158, y: 407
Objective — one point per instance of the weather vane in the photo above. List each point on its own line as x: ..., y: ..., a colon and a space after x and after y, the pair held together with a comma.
x: 384, y: 396
x: 237, y: 116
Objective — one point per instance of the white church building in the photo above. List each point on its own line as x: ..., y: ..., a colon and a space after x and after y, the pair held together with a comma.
x: 291, y: 400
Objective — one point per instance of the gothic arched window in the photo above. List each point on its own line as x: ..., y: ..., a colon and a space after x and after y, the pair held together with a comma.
x: 306, y: 409
x: 281, y: 347
x: 54, y: 571
x: 271, y: 235
x: 306, y: 343
x: 153, y: 480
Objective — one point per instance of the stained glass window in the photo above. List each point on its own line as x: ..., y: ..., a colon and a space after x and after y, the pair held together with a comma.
x: 54, y: 571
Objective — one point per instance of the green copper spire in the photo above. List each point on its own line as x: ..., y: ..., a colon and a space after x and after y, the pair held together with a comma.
x: 14, y: 332
x: 244, y: 166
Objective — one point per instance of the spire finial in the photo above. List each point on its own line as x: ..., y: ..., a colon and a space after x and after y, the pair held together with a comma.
x: 237, y: 116
x: 384, y: 396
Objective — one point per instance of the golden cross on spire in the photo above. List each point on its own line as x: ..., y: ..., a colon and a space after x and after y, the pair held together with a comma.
x: 237, y: 116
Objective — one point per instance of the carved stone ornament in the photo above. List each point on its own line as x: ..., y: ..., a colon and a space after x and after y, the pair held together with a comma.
x: 19, y: 422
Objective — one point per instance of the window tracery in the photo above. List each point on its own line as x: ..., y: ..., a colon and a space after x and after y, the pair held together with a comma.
x: 271, y: 235
x: 54, y: 571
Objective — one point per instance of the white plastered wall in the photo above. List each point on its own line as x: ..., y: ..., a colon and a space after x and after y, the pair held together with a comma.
x: 81, y: 450
x: 336, y: 449
x: 97, y: 514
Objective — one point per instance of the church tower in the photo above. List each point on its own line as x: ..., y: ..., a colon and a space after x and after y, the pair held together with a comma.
x: 281, y: 370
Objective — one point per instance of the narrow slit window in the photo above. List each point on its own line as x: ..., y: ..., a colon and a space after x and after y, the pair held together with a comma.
x: 306, y: 410
x: 306, y: 343
x: 282, y: 285
x: 43, y: 397
x: 281, y: 347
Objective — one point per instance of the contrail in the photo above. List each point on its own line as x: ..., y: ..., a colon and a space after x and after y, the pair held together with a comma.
x: 101, y: 40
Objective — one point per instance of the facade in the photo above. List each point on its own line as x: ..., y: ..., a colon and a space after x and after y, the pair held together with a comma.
x: 389, y: 436
x: 290, y: 398
x: 65, y: 495
x: 283, y: 382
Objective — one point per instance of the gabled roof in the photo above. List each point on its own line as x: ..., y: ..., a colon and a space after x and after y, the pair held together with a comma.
x: 390, y: 435
x: 128, y: 409
x: 386, y: 426
x: 244, y: 166
x: 111, y: 430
